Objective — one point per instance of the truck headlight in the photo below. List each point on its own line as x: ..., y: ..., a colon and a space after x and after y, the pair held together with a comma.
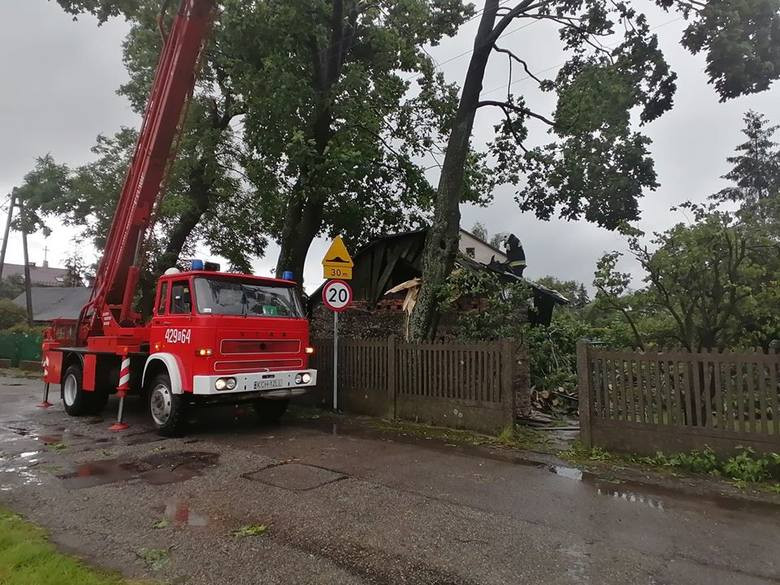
x: 230, y: 383
x: 220, y: 384
x: 306, y: 378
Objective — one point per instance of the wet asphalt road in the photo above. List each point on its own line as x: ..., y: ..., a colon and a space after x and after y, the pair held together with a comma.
x: 350, y: 506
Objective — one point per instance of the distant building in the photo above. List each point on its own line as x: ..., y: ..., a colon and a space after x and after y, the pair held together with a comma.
x: 56, y: 302
x: 39, y: 275
x: 388, y: 271
x: 476, y: 249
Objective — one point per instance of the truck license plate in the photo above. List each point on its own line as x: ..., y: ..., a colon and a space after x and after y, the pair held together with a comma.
x: 266, y: 384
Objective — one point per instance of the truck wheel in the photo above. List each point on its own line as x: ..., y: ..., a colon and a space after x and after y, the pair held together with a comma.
x: 270, y: 411
x: 76, y: 401
x: 166, y: 408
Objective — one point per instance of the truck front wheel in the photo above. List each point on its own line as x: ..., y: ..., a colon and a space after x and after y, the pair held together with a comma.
x: 270, y: 411
x: 167, y: 409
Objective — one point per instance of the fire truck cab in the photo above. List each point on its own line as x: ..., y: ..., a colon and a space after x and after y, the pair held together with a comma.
x: 213, y: 338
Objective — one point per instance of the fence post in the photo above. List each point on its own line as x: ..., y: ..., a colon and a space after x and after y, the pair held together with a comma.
x: 392, y: 382
x: 583, y: 382
x: 508, y: 378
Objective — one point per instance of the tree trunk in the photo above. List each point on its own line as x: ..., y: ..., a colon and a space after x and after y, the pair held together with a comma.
x: 441, y: 244
x: 302, y: 223
x: 199, y: 195
x: 303, y: 217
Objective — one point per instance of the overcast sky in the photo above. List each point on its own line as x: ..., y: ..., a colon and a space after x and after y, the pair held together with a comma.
x: 59, y: 79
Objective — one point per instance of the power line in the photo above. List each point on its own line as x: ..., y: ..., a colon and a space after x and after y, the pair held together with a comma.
x: 504, y: 87
x: 464, y: 53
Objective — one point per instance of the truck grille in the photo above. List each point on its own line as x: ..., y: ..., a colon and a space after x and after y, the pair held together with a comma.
x: 258, y: 365
x: 233, y: 346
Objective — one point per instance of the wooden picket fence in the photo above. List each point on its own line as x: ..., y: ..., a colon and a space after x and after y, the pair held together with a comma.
x: 677, y: 401
x: 465, y: 385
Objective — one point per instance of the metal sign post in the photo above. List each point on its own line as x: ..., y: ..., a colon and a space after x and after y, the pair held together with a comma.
x: 335, y: 360
x: 337, y: 296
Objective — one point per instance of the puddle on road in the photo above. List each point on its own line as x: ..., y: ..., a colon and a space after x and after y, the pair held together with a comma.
x: 178, y: 512
x: 657, y: 497
x: 156, y: 469
x: 567, y: 472
x: 20, y: 467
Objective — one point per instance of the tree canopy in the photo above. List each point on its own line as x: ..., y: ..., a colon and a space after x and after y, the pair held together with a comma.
x: 615, y: 80
x: 712, y: 283
x: 300, y: 125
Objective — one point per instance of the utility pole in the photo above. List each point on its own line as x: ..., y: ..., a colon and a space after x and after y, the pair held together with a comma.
x: 27, y: 285
x: 7, y: 232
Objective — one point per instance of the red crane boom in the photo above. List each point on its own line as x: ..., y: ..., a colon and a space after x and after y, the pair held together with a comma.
x: 212, y: 337
x: 117, y: 275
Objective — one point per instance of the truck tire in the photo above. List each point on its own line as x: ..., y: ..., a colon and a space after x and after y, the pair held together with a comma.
x: 74, y: 398
x: 166, y: 408
x: 269, y: 411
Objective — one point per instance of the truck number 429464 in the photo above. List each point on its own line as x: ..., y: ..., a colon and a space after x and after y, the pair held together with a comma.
x: 178, y: 335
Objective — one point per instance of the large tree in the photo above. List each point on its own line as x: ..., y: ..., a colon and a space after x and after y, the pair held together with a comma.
x: 597, y: 165
x: 755, y: 174
x: 332, y: 136
x: 205, y: 199
x: 714, y: 282
x: 301, y: 123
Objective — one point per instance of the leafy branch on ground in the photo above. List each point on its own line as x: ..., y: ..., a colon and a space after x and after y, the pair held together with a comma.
x: 250, y: 530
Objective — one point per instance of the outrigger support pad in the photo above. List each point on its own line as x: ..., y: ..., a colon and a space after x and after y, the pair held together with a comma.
x: 120, y: 425
x: 45, y: 403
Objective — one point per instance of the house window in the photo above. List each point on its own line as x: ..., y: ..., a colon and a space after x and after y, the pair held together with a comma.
x: 470, y: 252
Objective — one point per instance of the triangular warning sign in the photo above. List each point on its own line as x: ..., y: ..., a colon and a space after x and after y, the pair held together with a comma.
x: 337, y: 254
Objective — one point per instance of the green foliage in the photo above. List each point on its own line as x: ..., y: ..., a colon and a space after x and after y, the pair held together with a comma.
x: 76, y: 269
x: 712, y: 283
x: 250, y: 530
x: 11, y: 314
x: 578, y: 453
x: 571, y: 289
x: 154, y: 558
x: 745, y: 466
x: 329, y: 137
x: 599, y: 165
x: 741, y: 41
x: 11, y: 286
x: 504, y: 310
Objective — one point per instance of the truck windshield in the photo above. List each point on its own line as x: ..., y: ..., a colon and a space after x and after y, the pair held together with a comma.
x: 216, y: 296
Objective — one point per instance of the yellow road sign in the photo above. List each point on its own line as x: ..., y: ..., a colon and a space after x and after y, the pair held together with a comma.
x: 344, y: 273
x: 337, y: 262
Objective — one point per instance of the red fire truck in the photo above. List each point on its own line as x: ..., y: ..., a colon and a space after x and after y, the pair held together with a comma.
x: 213, y: 337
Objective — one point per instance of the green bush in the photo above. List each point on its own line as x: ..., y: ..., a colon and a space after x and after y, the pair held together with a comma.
x: 744, y: 466
x: 11, y: 314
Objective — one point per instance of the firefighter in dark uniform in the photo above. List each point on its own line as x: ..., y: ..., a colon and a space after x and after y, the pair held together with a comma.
x: 515, y: 255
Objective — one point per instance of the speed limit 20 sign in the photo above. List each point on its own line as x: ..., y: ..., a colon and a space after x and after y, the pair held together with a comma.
x: 337, y: 295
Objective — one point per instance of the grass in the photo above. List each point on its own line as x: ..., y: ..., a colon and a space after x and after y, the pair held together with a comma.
x: 28, y: 558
